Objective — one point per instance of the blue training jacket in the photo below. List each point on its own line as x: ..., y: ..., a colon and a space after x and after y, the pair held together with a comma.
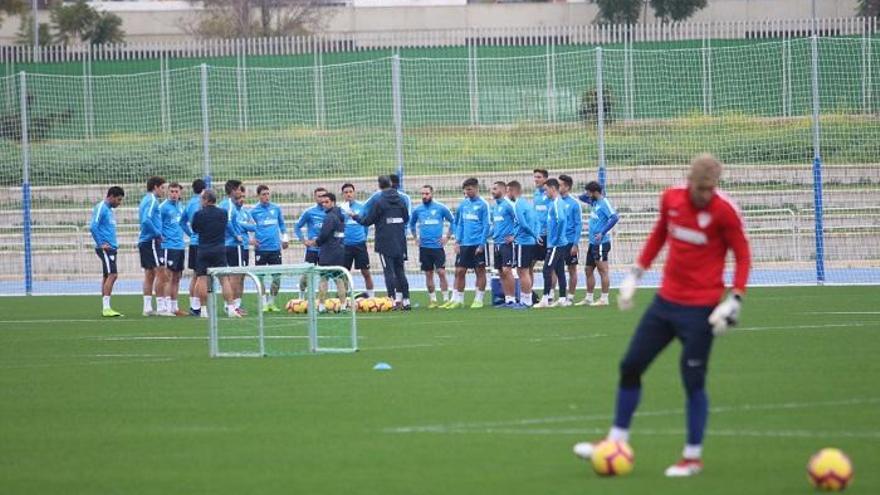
x: 526, y: 231
x: 313, y: 219
x: 355, y: 233
x: 194, y: 205
x: 503, y: 220
x: 557, y: 224
x: 172, y: 231
x: 268, y: 226
x: 149, y: 218
x: 428, y: 219
x: 103, y: 225
x: 574, y: 222
x: 472, y: 224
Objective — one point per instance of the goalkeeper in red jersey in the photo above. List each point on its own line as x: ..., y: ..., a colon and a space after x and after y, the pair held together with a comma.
x: 700, y: 224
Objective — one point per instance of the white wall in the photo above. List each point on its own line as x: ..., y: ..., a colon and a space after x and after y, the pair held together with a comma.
x: 167, y: 25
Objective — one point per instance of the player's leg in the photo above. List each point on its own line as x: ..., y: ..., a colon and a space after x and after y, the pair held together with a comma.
x: 693, y: 329
x: 654, y: 332
x: 195, y: 302
x: 571, y: 263
x: 388, y: 272
x: 175, y: 292
x: 559, y: 271
x: 362, y: 263
x: 524, y: 255
x: 402, y: 282
x: 108, y: 279
x: 428, y: 270
x: 481, y: 261
x: 550, y: 257
x: 463, y: 261
x: 602, y: 267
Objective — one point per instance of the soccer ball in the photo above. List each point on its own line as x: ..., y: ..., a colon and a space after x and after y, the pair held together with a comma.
x: 385, y: 303
x: 368, y: 305
x: 332, y: 305
x: 298, y: 306
x: 612, y: 458
x: 830, y: 470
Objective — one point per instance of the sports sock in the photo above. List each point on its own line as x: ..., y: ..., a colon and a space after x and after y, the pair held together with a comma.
x: 697, y: 414
x: 160, y: 305
x: 105, y: 300
x: 570, y: 297
x: 432, y: 296
x: 237, y: 302
x: 174, y: 307
x: 454, y: 297
x: 148, y: 303
x: 693, y: 452
x: 398, y: 297
x: 265, y: 300
x: 526, y: 298
x: 588, y: 297
x: 230, y: 309
x: 604, y: 297
x: 371, y: 293
x: 270, y: 299
x: 616, y: 434
x: 509, y: 299
x: 627, y: 401
x: 195, y: 303
x: 478, y: 296
x: 406, y: 301
x: 449, y: 294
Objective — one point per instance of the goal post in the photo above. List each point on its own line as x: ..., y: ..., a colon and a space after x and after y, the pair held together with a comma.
x: 302, y: 326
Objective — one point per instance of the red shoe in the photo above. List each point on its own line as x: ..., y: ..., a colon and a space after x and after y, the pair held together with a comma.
x: 685, y: 467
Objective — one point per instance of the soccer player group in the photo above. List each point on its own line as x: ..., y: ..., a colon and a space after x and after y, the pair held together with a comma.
x: 698, y: 223
x: 522, y: 231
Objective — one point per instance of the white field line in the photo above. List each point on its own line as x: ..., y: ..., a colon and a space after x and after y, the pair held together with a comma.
x: 842, y: 313
x: 87, y: 363
x: 590, y: 432
x: 485, y: 425
x: 807, y: 327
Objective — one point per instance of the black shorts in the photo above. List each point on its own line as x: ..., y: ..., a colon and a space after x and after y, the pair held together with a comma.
x: 468, y: 257
x: 598, y: 252
x: 267, y: 258
x: 237, y: 256
x: 432, y: 258
x: 209, y: 259
x: 108, y: 260
x: 193, y: 257
x: 570, y: 260
x: 503, y: 256
x: 357, y: 254
x: 312, y: 257
x: 173, y: 259
x: 525, y: 256
x: 149, y: 251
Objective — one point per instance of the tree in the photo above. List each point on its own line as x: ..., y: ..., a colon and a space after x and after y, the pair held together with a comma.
x: 618, y: 11
x: 258, y: 18
x: 676, y: 10
x: 627, y: 11
x: 10, y: 7
x: 25, y: 34
x: 869, y: 8
x: 79, y: 22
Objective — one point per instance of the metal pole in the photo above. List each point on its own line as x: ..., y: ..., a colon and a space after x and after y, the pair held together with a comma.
x: 866, y: 67
x: 551, y: 81
x: 473, y: 86
x: 26, y: 187
x: 163, y: 104
x: 319, y: 86
x: 817, y: 169
x: 206, y: 132
x: 34, y: 11
x: 89, y: 113
x: 600, y: 116
x: 396, y: 100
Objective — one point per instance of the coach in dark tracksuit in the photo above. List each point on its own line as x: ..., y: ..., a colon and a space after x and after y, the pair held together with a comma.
x: 390, y: 215
x: 331, y: 251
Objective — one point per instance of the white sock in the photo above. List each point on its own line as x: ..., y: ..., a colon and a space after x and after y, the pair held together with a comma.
x: 570, y: 297
x: 174, y: 307
x: 406, y: 302
x: 553, y: 294
x: 371, y: 293
x: 148, y: 303
x: 160, y: 305
x: 478, y: 295
x: 230, y: 309
x: 604, y: 297
x: 545, y: 300
x: 195, y: 303
x: 432, y: 296
x: 526, y: 298
x: 588, y: 297
x: 509, y: 299
x: 265, y: 300
x: 618, y: 434
x: 692, y: 451
x: 270, y: 299
x: 398, y: 297
x: 237, y: 302
x: 454, y: 297
x: 449, y: 294
x: 106, y: 301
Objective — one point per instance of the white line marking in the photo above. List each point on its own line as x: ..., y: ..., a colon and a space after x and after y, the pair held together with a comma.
x: 842, y: 313
x: 807, y: 327
x: 441, y: 428
x: 85, y: 363
x: 581, y: 432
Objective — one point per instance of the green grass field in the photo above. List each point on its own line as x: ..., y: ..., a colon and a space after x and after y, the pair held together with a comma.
x: 483, y: 401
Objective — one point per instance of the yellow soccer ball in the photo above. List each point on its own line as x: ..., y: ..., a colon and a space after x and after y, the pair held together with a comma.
x: 332, y: 305
x: 385, y: 304
x: 830, y: 470
x: 368, y: 305
x: 298, y: 306
x: 613, y: 458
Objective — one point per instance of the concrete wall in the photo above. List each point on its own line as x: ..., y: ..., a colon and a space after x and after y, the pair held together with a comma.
x: 168, y: 25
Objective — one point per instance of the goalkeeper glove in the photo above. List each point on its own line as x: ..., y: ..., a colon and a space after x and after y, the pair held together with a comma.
x: 628, y: 288
x: 726, y: 314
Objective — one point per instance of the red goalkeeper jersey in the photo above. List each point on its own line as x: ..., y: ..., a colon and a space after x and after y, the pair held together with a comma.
x: 698, y: 244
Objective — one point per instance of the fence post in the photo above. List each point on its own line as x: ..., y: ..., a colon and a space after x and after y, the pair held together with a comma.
x: 817, y: 168
x: 241, y: 89
x: 707, y: 76
x: 600, y: 116
x: 628, y: 79
x: 206, y: 132
x: 396, y: 99
x: 551, y: 81
x: 163, y: 93
x: 26, y: 187
x: 866, y: 72
x: 319, y: 86
x: 88, y: 103
x: 473, y: 85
